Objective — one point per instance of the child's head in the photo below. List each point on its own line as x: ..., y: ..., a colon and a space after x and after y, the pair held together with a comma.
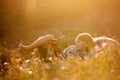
x: 84, y: 41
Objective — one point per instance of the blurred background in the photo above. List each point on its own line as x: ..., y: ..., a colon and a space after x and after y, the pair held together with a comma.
x: 26, y: 20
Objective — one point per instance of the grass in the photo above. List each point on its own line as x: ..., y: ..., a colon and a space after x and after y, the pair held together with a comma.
x: 103, y: 66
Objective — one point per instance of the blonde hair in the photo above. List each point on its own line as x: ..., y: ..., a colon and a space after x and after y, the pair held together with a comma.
x: 85, y: 37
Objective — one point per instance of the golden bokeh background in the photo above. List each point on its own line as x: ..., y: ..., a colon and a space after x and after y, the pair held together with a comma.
x: 20, y: 18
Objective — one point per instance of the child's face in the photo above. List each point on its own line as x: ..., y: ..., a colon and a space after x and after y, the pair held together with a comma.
x: 81, y: 45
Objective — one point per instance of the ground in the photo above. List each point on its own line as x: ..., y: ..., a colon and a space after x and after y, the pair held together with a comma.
x: 103, y: 66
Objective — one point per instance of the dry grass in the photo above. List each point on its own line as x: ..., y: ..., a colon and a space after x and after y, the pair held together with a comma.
x: 104, y: 66
x: 16, y: 66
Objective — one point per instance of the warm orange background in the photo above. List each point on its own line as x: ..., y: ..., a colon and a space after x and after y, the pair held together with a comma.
x: 20, y: 17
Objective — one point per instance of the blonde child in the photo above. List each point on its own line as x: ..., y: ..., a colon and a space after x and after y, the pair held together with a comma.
x: 86, y: 45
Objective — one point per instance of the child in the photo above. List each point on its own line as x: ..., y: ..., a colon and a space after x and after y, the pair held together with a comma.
x: 86, y: 45
x: 43, y: 44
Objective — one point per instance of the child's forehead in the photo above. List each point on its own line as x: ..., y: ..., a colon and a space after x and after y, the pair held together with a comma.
x: 80, y: 41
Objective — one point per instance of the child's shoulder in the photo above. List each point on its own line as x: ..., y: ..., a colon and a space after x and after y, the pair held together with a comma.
x: 70, y: 49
